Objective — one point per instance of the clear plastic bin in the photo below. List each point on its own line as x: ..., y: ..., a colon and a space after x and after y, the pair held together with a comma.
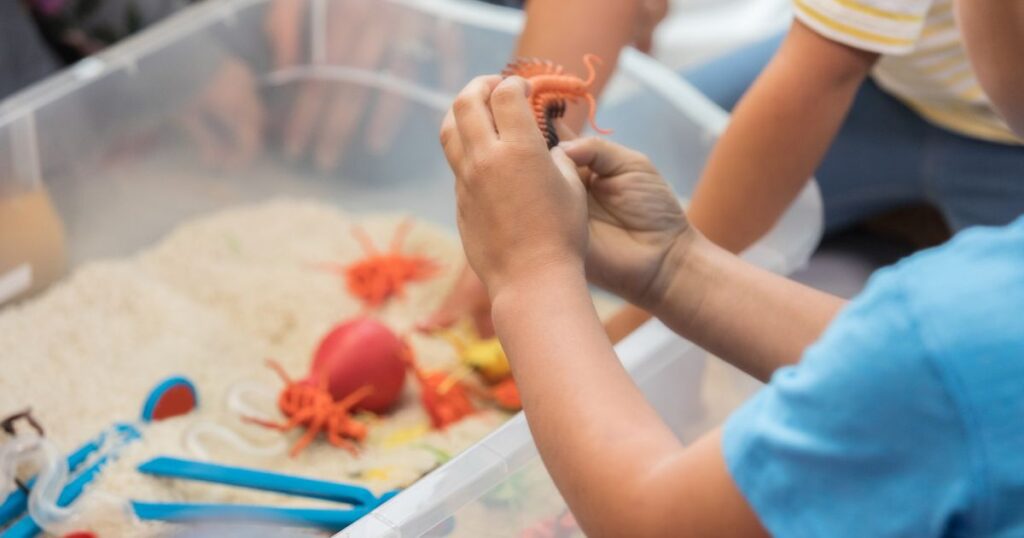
x: 101, y: 151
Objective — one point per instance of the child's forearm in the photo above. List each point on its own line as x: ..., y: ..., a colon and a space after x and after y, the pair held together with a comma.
x: 596, y: 432
x: 754, y: 319
x: 778, y: 135
x: 564, y: 30
x: 993, y: 32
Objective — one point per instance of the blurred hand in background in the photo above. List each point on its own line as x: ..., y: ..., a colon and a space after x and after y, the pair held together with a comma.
x: 226, y: 120
x: 367, y: 36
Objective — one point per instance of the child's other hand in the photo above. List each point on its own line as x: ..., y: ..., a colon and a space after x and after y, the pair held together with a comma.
x: 522, y: 210
x: 635, y: 220
x: 467, y: 299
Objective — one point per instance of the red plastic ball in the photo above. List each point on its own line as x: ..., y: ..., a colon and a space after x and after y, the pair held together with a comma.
x: 362, y: 352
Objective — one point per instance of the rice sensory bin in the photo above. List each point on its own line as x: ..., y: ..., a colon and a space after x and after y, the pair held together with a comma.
x: 174, y: 295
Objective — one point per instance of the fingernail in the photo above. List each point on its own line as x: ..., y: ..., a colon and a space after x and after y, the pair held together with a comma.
x: 566, y: 145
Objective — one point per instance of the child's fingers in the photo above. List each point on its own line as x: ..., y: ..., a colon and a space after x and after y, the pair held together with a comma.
x: 565, y: 165
x: 245, y: 123
x: 450, y: 142
x: 472, y: 116
x: 304, y: 118
x: 387, y: 116
x: 203, y: 137
x: 604, y: 158
x: 513, y: 115
x: 341, y: 116
x: 284, y: 29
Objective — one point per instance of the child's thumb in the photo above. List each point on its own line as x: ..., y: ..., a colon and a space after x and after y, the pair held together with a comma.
x: 603, y: 157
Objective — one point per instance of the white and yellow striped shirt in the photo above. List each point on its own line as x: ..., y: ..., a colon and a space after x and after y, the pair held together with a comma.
x: 924, y: 63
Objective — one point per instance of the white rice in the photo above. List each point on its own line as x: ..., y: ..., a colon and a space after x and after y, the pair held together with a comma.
x: 213, y: 300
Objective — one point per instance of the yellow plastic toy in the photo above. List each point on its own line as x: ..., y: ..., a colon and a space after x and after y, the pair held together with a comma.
x: 483, y: 355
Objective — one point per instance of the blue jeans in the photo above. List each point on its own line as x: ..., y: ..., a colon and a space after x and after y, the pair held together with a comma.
x: 885, y: 156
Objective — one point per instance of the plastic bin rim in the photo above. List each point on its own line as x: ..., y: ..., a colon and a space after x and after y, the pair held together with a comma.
x: 125, y: 54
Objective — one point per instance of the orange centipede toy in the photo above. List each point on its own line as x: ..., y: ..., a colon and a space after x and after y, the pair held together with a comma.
x: 551, y: 88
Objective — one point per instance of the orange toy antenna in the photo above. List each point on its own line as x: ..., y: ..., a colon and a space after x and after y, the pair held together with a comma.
x: 276, y: 367
x: 592, y: 103
x: 591, y: 61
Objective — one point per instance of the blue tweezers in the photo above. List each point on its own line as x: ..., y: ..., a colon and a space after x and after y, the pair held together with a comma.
x: 361, y: 500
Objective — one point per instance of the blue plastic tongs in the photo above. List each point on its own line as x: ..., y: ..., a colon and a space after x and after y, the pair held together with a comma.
x: 173, y: 396
x: 84, y: 464
x: 361, y: 500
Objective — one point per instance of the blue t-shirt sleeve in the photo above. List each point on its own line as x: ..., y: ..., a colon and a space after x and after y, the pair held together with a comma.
x: 861, y: 438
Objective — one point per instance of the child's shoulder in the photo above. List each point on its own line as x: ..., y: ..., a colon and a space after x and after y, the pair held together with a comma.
x: 967, y: 299
x: 915, y: 391
x: 979, y: 246
x: 968, y: 295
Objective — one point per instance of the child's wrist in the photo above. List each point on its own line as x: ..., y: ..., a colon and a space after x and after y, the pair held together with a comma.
x: 684, y: 277
x: 526, y: 272
x: 517, y: 293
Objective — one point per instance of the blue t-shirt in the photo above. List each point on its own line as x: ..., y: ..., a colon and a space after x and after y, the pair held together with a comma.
x: 907, y: 417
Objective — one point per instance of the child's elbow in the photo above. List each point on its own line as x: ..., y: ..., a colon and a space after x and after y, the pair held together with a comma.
x: 633, y: 522
x: 645, y: 515
x: 1012, y: 110
x: 1007, y: 99
x: 1016, y: 123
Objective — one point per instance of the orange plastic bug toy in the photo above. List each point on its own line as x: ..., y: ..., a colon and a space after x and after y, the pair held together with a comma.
x: 383, y: 275
x: 505, y: 393
x: 442, y: 394
x: 486, y: 357
x: 550, y: 88
x: 311, y: 406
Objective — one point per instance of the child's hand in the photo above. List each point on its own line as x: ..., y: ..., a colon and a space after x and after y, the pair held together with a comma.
x: 467, y: 299
x: 522, y: 210
x: 635, y: 221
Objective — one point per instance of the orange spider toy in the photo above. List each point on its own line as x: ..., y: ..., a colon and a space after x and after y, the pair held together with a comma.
x: 550, y: 87
x: 444, y: 397
x: 383, y: 275
x: 311, y: 406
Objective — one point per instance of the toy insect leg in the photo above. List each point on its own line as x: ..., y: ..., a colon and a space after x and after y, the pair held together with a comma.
x: 269, y: 424
x: 401, y: 233
x: 364, y: 239
x: 314, y: 429
x: 592, y: 103
x: 354, y: 398
x: 277, y: 368
x: 339, y: 441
